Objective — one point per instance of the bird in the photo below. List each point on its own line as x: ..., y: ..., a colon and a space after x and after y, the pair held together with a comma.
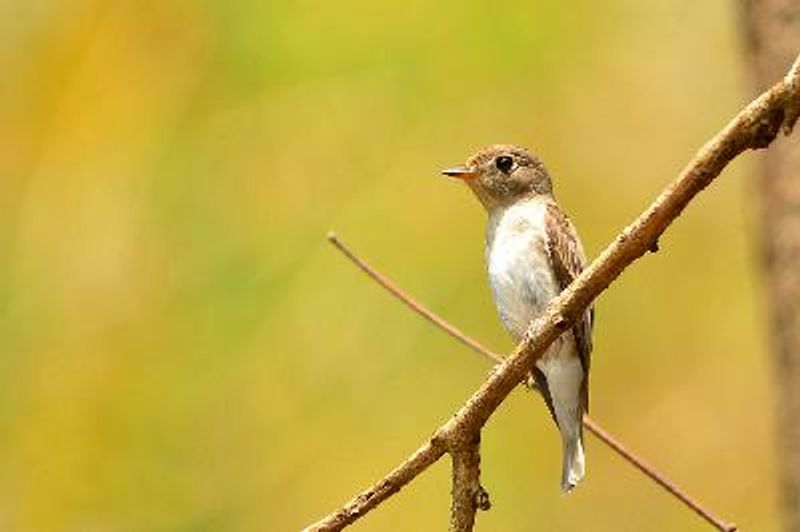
x: 532, y: 253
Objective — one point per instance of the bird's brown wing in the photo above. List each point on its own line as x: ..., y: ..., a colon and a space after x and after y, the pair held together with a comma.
x: 567, y: 260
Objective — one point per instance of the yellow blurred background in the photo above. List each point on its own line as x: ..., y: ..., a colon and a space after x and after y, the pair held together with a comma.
x: 180, y: 349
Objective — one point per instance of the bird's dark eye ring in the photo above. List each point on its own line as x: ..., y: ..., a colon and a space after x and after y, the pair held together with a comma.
x: 504, y: 163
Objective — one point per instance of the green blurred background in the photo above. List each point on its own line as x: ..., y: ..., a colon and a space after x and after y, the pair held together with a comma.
x: 180, y: 349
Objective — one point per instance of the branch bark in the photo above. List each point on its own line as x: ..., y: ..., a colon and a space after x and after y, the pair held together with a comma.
x: 754, y: 127
x: 468, y: 494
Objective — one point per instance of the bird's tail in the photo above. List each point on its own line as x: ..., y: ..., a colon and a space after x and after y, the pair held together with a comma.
x: 565, y: 384
x: 574, y: 464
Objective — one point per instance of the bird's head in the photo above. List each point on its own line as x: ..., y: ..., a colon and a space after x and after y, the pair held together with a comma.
x: 501, y: 174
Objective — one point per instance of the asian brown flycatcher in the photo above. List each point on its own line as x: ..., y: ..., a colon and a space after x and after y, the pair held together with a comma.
x: 533, y: 253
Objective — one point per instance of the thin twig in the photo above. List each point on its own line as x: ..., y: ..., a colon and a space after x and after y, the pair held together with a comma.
x: 661, y: 480
x: 756, y: 126
x: 412, y: 303
x: 592, y: 426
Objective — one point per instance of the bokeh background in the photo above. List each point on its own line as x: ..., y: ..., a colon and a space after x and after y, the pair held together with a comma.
x: 180, y: 349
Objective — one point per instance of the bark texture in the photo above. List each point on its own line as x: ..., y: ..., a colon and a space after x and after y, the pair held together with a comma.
x: 468, y: 494
x: 773, y: 38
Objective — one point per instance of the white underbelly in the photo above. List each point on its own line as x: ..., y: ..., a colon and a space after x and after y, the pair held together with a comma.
x: 520, y: 278
x: 523, y: 284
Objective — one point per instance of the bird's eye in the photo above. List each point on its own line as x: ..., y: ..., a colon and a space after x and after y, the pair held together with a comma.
x: 504, y: 163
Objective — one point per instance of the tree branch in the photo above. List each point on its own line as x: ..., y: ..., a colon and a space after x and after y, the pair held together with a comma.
x: 754, y: 127
x: 592, y: 426
x: 468, y: 494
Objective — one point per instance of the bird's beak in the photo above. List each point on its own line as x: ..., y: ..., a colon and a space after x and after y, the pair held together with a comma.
x: 461, y: 172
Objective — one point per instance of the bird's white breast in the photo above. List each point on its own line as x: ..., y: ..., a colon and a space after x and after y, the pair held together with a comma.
x: 518, y: 264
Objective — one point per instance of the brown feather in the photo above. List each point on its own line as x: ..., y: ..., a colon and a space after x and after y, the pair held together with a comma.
x: 568, y: 260
x: 540, y: 384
